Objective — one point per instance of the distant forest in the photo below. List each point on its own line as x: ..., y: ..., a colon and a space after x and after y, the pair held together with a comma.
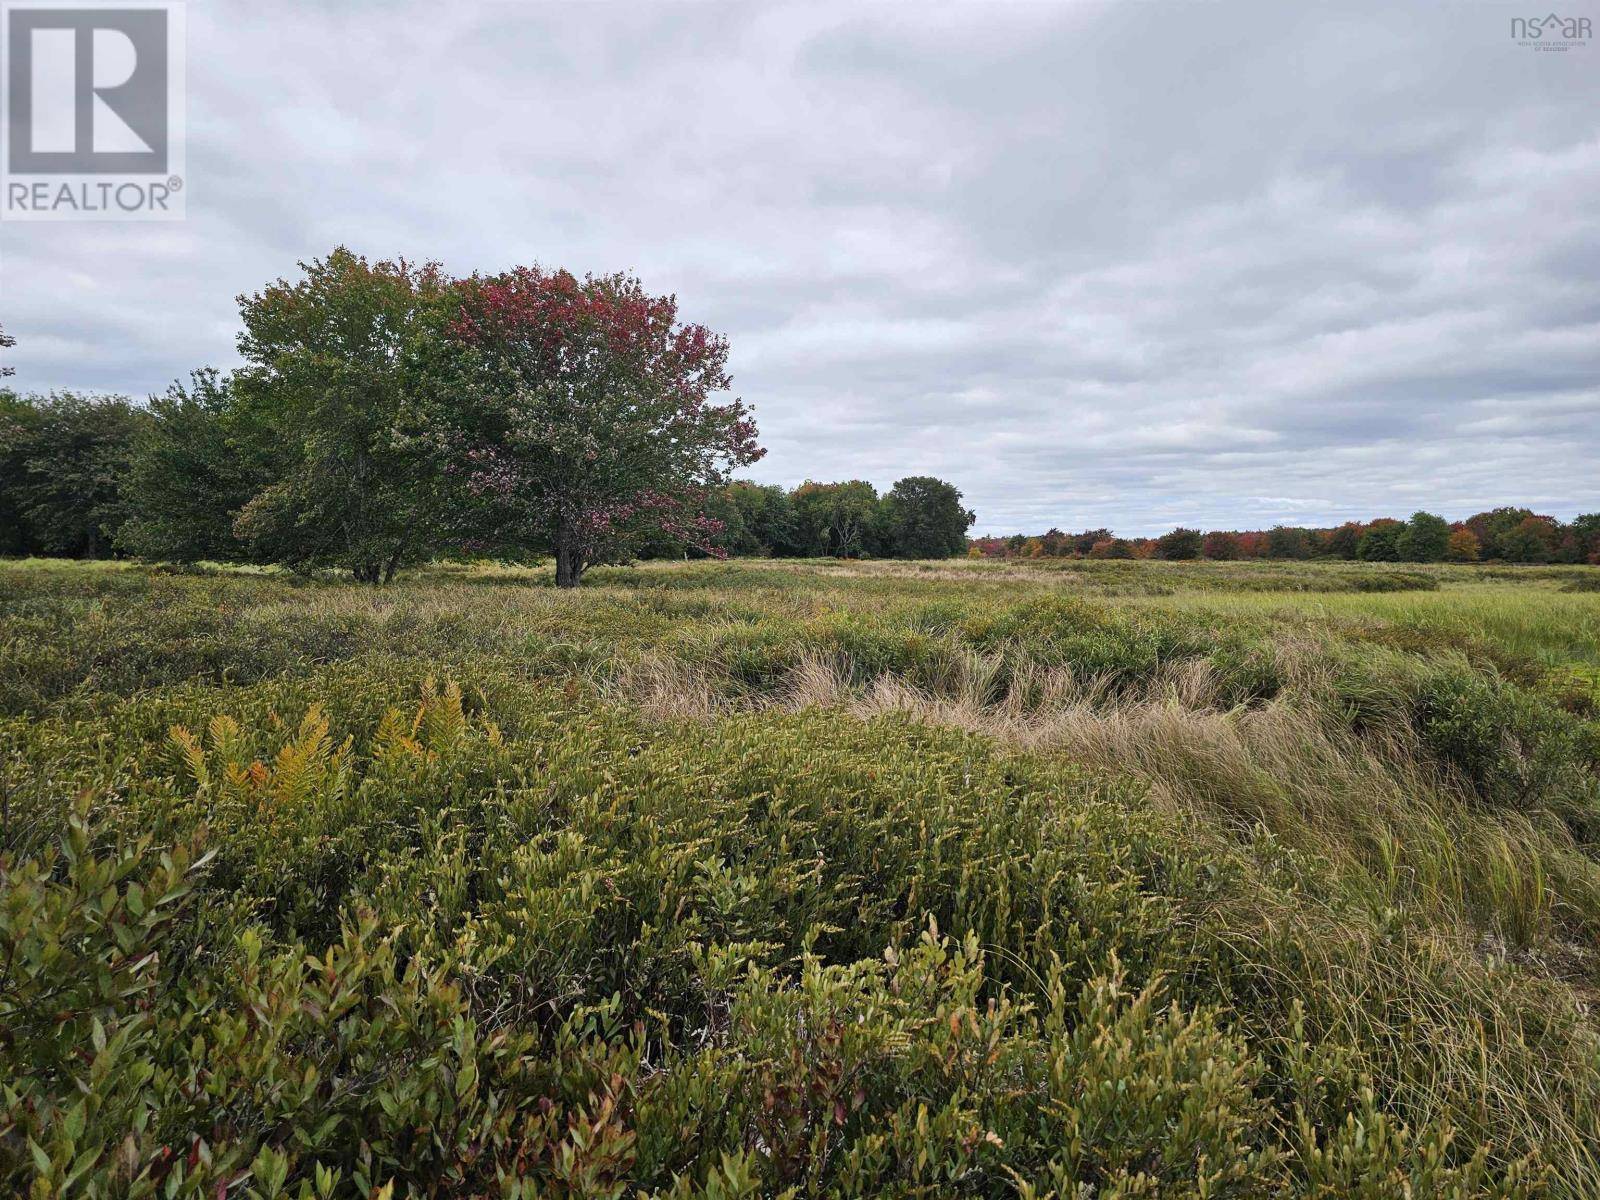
x: 1513, y: 535
x: 101, y: 477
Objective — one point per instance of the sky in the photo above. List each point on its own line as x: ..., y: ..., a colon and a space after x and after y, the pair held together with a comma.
x: 1133, y: 265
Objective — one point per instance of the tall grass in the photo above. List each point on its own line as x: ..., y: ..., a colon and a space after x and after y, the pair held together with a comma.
x: 786, y: 879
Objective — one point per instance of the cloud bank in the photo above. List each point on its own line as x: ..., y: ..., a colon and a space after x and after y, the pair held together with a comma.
x: 1224, y: 264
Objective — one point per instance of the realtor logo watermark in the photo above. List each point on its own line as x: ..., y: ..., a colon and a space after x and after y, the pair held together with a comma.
x: 94, y: 109
x: 1551, y: 32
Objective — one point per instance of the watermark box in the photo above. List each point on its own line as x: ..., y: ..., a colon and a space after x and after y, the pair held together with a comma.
x: 93, y: 98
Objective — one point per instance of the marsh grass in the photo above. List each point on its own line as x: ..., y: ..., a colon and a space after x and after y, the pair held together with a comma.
x: 852, y: 878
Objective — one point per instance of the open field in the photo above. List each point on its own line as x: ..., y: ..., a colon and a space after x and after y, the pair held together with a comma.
x: 851, y: 878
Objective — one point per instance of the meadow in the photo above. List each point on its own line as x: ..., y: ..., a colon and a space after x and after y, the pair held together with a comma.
x: 776, y: 878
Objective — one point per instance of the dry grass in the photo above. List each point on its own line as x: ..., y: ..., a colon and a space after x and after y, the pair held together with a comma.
x: 1399, y: 830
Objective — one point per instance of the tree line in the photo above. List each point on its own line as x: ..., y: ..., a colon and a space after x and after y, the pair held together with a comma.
x: 1508, y: 534
x: 387, y: 414
x: 919, y: 517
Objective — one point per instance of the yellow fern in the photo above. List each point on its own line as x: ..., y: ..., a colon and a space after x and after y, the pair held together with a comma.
x: 444, y: 723
x: 190, y: 752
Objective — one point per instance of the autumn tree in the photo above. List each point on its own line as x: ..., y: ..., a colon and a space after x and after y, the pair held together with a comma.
x: 1494, y: 525
x: 1342, y: 542
x: 1221, y: 546
x: 575, y: 416
x: 1531, y: 540
x: 1082, y: 543
x: 1586, y: 529
x: 922, y: 517
x: 1463, y: 546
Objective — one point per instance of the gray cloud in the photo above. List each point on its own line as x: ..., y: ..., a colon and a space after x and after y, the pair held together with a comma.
x: 1128, y: 265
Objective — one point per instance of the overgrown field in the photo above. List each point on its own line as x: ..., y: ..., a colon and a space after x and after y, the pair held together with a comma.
x: 760, y: 879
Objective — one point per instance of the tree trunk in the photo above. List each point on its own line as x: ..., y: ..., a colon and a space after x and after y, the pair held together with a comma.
x: 569, y: 560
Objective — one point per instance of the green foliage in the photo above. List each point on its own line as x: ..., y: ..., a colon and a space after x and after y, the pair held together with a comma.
x: 1425, y: 538
x: 18, y: 419
x: 1381, y: 542
x: 766, y: 517
x: 199, y: 460
x: 1287, y: 541
x: 922, y: 517
x: 841, y: 520
x: 66, y: 462
x: 328, y: 373
x: 1179, y: 544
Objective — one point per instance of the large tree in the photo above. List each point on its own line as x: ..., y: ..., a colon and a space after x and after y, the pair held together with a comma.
x: 922, y: 517
x: 1425, y: 538
x: 579, y: 416
x: 330, y: 363
x: 766, y: 520
x: 838, y: 519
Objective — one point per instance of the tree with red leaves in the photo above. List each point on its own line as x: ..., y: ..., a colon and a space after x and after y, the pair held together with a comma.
x: 575, y: 416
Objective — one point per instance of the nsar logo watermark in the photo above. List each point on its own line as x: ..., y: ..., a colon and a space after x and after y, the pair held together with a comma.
x: 1551, y: 32
x: 94, y: 112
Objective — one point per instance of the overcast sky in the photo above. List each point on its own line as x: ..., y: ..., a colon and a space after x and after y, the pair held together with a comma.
x: 1129, y: 265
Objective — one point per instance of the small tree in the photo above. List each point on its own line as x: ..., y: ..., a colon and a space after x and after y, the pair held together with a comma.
x: 1425, y: 538
x: 1181, y: 543
x: 576, y: 416
x: 1463, y: 546
x: 922, y: 517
